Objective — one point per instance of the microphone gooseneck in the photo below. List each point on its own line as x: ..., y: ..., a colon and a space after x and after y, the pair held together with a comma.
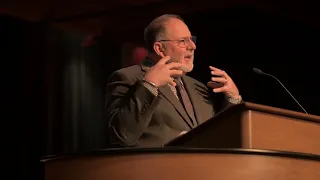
x: 258, y: 71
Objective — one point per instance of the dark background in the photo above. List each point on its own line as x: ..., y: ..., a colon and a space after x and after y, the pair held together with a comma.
x: 54, y: 86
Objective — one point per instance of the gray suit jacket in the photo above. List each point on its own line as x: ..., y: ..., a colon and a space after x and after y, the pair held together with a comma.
x: 136, y: 117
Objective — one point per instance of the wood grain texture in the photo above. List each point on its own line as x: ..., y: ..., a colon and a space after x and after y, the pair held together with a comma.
x: 185, y: 166
x: 284, y: 133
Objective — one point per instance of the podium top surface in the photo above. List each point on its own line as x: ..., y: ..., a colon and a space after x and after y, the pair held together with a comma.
x: 181, y: 150
x: 280, y: 111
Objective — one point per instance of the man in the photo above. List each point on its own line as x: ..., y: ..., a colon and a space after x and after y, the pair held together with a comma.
x: 152, y: 103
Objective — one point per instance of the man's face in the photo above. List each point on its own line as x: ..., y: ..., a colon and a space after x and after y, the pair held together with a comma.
x: 179, y: 44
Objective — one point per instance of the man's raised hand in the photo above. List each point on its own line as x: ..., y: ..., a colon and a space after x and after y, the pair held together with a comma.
x: 163, y: 73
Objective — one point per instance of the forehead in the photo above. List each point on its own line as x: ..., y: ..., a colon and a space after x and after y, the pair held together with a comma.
x: 176, y: 28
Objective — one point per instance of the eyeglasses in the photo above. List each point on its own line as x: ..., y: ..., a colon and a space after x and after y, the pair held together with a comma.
x: 186, y: 41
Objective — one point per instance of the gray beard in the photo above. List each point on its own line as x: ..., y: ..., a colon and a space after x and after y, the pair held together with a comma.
x: 183, y: 68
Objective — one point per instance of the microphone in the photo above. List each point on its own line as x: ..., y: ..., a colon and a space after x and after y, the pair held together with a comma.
x: 260, y: 72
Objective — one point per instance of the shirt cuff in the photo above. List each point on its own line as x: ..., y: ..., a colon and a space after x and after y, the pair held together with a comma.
x: 235, y: 100
x: 151, y: 88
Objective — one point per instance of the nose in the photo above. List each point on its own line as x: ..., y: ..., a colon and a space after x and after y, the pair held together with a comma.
x: 191, y: 45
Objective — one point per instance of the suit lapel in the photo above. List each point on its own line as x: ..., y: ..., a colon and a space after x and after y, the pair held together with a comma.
x: 168, y: 94
x: 194, y: 97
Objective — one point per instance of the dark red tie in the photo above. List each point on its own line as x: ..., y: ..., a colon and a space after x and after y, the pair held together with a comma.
x: 184, y: 98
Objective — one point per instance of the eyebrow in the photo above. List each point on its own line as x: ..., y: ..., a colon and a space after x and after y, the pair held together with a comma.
x: 185, y: 37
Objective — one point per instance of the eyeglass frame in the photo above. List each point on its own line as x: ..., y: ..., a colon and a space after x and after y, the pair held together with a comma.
x: 184, y: 41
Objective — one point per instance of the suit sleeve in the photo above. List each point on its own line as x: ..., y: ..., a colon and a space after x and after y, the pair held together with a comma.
x: 225, y: 103
x: 220, y: 102
x: 129, y: 109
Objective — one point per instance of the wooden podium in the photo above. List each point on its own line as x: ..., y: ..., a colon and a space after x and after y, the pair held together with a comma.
x: 255, y: 126
x: 248, y: 141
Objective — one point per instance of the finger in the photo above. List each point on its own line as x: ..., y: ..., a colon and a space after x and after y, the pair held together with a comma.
x: 219, y: 90
x: 164, y: 60
x: 214, y: 85
x: 220, y: 73
x: 172, y: 82
x: 219, y: 79
x: 174, y: 65
x: 214, y: 68
x: 176, y: 73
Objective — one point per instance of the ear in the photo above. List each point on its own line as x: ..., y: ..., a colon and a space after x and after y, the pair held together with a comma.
x: 158, y: 49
